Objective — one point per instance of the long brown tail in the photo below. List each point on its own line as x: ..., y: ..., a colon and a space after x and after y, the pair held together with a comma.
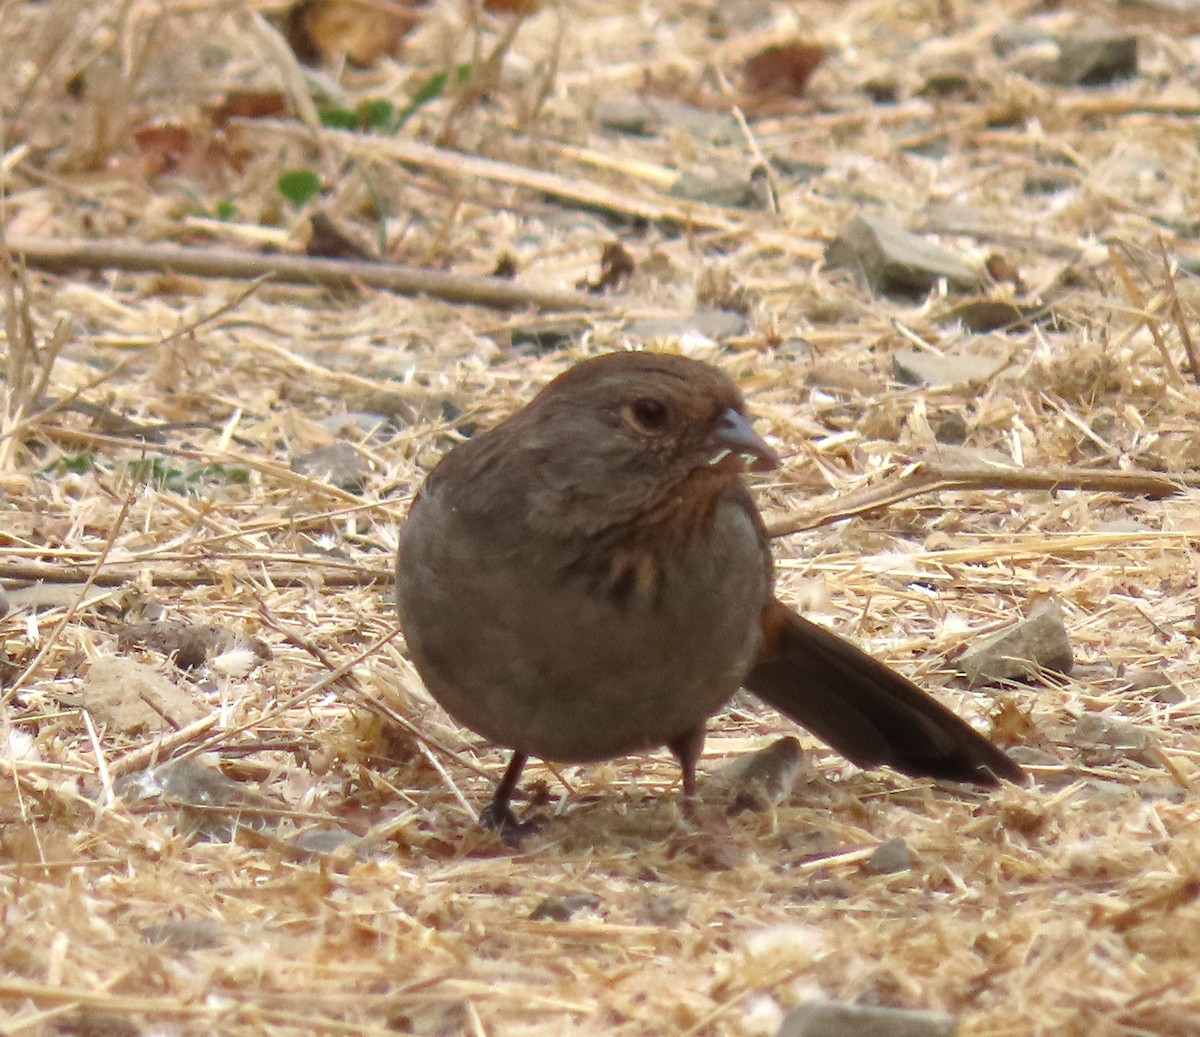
x: 863, y: 709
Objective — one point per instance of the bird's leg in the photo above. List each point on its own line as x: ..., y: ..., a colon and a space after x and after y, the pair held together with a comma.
x: 498, y: 814
x: 687, y: 751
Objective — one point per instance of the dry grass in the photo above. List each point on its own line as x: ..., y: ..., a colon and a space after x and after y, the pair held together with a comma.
x: 150, y: 423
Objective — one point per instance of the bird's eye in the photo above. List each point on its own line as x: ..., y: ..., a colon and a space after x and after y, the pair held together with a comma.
x: 646, y: 414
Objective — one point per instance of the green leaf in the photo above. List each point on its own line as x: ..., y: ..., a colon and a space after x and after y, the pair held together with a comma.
x: 432, y: 88
x: 154, y: 470
x: 377, y: 114
x: 84, y: 461
x: 223, y: 473
x: 192, y: 480
x: 226, y: 209
x: 340, y: 118
x: 299, y: 185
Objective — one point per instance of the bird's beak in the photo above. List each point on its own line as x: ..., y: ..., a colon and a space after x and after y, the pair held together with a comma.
x: 733, y: 435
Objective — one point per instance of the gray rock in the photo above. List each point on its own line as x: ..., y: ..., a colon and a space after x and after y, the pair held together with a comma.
x: 762, y: 779
x: 338, y: 463
x: 191, y: 645
x: 952, y: 429
x: 356, y: 423
x: 1018, y: 653
x: 730, y: 190
x: 1156, y: 682
x: 1123, y: 525
x: 545, y: 337
x: 661, y: 911
x: 717, y: 325
x: 896, y: 261
x: 1050, y: 181
x: 39, y: 597
x: 833, y: 1019
x: 210, y: 804
x: 1094, y: 60
x: 396, y: 405
x: 986, y: 314
x: 436, y: 1018
x: 916, y: 367
x: 1018, y: 36
x: 184, y: 934
x: 734, y: 17
x: 323, y: 840
x: 1184, y: 7
x: 1084, y: 59
x: 1031, y: 756
x: 949, y: 80
x: 1095, y: 729
x: 560, y: 909
x: 648, y: 117
x: 889, y: 857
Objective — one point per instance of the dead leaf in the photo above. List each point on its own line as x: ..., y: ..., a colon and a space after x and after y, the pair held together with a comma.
x: 1175, y: 894
x: 362, y: 30
x: 170, y: 142
x: 327, y: 239
x: 521, y: 8
x: 1001, y: 268
x: 783, y: 70
x: 168, y: 148
x: 249, y: 104
x: 1011, y: 724
x: 616, y: 266
x: 506, y: 266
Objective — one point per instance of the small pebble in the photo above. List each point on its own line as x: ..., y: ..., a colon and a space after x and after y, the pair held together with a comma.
x: 560, y: 909
x: 324, y: 840
x: 1096, y: 60
x: 889, y: 857
x: 1093, y: 729
x: 834, y: 1019
x: 951, y: 429
x: 184, y: 934
x: 917, y: 367
x: 339, y: 464
x: 894, y: 261
x: 662, y: 911
x: 1038, y: 642
x: 763, y: 779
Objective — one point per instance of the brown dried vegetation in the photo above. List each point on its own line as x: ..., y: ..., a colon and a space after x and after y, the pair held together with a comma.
x: 310, y: 863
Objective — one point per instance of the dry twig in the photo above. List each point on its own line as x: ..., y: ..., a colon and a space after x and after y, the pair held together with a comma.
x: 63, y: 256
x: 931, y: 477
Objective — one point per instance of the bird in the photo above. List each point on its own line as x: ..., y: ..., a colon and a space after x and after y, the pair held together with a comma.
x: 591, y: 578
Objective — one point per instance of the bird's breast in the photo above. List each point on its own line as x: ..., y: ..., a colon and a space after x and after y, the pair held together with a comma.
x: 577, y: 654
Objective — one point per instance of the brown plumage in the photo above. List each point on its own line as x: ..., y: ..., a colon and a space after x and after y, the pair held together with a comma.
x: 591, y: 578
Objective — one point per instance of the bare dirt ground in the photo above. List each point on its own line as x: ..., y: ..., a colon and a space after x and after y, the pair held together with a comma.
x: 201, y: 478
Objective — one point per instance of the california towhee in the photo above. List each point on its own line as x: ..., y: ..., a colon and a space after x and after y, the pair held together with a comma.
x: 591, y: 578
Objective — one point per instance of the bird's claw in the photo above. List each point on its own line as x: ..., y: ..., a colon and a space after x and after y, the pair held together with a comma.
x: 500, y: 818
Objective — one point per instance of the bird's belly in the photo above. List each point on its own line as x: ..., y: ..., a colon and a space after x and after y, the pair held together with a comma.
x: 554, y: 670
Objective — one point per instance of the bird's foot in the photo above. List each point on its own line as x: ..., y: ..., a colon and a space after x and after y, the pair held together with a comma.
x: 512, y: 830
